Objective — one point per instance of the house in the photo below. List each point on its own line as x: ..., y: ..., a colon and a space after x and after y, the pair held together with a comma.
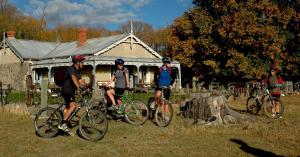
x: 20, y: 58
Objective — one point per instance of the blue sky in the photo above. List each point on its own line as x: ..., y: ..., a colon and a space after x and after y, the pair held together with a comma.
x: 107, y: 13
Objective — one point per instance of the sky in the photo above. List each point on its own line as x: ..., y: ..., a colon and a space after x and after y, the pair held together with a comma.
x: 109, y: 14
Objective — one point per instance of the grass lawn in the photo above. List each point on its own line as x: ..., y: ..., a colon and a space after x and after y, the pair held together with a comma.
x: 266, y: 137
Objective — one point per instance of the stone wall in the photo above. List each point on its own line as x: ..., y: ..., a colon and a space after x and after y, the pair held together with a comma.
x: 14, y: 74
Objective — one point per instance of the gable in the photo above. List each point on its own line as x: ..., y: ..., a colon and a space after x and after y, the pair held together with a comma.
x: 8, y: 56
x: 124, y: 50
x: 129, y: 47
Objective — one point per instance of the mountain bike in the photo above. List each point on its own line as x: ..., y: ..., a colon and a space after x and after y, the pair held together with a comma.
x: 263, y: 99
x: 133, y: 111
x: 92, y: 126
x: 163, y: 111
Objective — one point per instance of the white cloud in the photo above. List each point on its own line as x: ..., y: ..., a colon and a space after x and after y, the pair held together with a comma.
x: 86, y: 12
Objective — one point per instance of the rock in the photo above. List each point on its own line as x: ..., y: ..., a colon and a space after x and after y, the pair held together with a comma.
x: 228, y: 119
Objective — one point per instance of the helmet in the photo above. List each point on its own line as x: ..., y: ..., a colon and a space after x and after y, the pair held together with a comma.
x: 78, y: 58
x: 119, y: 61
x: 166, y: 60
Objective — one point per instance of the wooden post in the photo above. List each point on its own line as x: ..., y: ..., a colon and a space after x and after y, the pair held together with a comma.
x: 44, y: 94
x: 1, y: 92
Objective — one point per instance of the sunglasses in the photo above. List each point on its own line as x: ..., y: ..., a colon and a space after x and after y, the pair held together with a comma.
x: 273, y: 71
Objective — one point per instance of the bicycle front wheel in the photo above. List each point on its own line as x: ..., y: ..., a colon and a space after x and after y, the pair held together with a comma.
x: 164, y: 114
x: 136, y: 112
x: 93, y: 125
x: 252, y: 105
x: 272, y: 105
x: 46, y: 122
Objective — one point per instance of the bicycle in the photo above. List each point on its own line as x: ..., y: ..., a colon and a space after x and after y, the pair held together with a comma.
x: 93, y: 123
x: 254, y: 104
x: 133, y: 111
x: 297, y: 87
x: 163, y: 111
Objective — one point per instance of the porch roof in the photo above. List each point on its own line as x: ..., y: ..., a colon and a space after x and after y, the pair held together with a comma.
x: 100, y: 60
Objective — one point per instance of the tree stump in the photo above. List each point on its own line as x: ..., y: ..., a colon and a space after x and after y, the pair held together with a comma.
x: 211, y: 108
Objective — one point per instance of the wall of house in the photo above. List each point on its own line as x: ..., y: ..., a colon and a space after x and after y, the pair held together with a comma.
x: 8, y: 57
x: 124, y: 50
x: 14, y: 74
x: 103, y: 74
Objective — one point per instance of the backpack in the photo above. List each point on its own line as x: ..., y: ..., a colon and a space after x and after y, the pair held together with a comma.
x: 59, y: 76
x: 172, y: 73
x: 161, y: 68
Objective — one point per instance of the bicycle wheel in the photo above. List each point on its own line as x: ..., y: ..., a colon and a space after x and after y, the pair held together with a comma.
x: 46, y: 122
x: 101, y: 106
x: 270, y: 111
x: 164, y: 114
x: 252, y: 105
x: 93, y: 125
x: 136, y: 112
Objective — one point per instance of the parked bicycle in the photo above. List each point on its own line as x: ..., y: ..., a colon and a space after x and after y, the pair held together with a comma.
x: 297, y: 87
x: 263, y: 99
x: 163, y: 111
x: 133, y: 111
x: 93, y: 123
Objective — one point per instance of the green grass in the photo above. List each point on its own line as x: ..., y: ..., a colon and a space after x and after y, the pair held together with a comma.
x: 280, y: 137
x: 16, y: 96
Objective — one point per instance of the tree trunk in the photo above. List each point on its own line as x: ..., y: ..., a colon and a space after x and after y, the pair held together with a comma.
x: 211, y: 109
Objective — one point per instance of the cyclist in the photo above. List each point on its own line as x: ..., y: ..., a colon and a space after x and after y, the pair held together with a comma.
x: 121, y: 78
x: 72, y: 82
x: 274, y: 82
x: 163, y: 78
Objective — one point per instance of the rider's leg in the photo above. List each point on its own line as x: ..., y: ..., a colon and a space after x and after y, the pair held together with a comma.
x: 118, y: 95
x: 69, y: 110
x: 111, y: 94
x: 157, y: 97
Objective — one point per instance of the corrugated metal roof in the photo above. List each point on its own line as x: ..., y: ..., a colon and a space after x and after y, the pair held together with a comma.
x: 30, y: 49
x: 92, y: 46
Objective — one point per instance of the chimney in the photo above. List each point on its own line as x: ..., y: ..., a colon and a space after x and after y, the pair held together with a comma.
x: 82, y: 37
x: 11, y: 34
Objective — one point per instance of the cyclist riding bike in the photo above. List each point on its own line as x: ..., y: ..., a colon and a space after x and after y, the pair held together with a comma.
x: 274, y: 83
x: 163, y: 78
x: 72, y: 82
x: 121, y: 78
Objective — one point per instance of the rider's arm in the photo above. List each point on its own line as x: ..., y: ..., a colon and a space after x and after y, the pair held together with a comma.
x: 110, y: 81
x: 82, y: 83
x: 75, y: 81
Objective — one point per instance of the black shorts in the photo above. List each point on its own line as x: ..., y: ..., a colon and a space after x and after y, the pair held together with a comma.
x: 119, y: 92
x: 167, y: 92
x: 69, y: 98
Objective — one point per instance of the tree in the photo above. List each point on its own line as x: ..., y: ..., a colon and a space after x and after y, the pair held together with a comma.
x: 232, y: 39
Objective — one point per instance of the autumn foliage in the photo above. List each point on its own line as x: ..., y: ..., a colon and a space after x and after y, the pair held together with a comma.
x: 237, y: 39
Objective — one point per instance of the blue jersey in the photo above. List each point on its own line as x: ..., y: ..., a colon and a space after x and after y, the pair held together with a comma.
x: 164, y: 77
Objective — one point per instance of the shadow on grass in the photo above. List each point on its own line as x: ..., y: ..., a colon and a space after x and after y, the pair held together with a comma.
x: 254, y: 151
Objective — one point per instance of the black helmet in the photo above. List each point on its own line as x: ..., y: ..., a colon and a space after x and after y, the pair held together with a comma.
x: 166, y: 60
x: 119, y: 61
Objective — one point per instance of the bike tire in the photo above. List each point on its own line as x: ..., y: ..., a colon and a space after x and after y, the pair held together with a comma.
x: 252, y: 105
x: 268, y: 108
x: 93, y: 125
x: 101, y: 106
x: 46, y: 122
x: 164, y: 118
x: 136, y: 112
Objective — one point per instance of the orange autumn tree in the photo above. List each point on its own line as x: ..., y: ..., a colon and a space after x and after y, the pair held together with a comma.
x: 232, y: 39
